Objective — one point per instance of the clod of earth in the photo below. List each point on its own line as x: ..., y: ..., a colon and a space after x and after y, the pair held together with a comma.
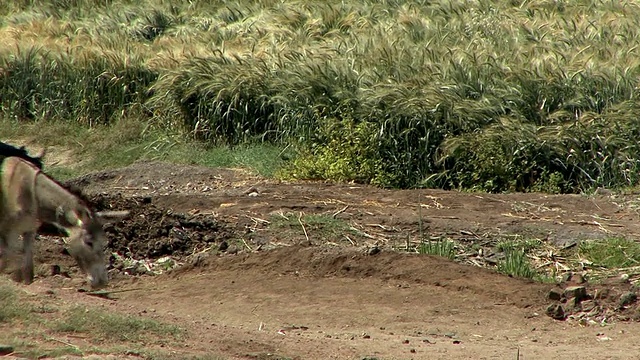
x: 628, y: 298
x: 577, y: 292
x: 555, y: 294
x: 572, y: 305
x: 555, y: 311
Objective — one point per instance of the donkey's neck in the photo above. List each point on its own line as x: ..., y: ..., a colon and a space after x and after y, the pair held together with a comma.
x: 51, y: 197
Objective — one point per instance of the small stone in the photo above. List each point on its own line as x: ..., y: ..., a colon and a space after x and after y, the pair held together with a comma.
x: 628, y: 299
x: 373, y: 251
x: 555, y: 294
x: 405, y: 341
x: 578, y: 292
x: 566, y: 277
x: 624, y: 277
x: 555, y: 311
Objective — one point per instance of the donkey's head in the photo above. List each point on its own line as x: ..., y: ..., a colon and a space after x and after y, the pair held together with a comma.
x: 88, y: 241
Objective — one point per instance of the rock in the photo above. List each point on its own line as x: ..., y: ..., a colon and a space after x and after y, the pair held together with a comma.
x: 572, y: 305
x: 555, y: 311
x: 555, y: 294
x: 628, y: 299
x: 578, y: 292
x: 6, y: 350
x: 624, y: 277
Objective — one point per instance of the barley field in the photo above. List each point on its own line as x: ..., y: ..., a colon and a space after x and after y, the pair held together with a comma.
x: 476, y: 95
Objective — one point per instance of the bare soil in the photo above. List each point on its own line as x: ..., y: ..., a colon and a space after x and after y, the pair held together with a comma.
x: 261, y: 278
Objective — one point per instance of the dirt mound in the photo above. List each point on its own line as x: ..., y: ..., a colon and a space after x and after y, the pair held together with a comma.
x: 324, y: 261
x: 151, y: 232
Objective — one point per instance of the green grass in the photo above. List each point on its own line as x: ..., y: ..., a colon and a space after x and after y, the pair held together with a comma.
x: 12, y: 306
x: 37, y: 351
x: 37, y: 326
x: 318, y: 227
x: 443, y: 247
x: 115, y: 327
x: 524, y: 244
x: 517, y: 264
x: 130, y: 140
x: 610, y: 253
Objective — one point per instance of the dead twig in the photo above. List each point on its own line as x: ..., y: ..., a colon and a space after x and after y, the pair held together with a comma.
x: 75, y: 347
x: 340, y: 211
x: 105, y: 293
x: 351, y: 241
x: 303, y: 228
x: 258, y: 220
x: 247, y: 245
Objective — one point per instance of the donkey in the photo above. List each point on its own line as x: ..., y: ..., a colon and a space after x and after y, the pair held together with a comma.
x: 7, y: 150
x: 28, y: 198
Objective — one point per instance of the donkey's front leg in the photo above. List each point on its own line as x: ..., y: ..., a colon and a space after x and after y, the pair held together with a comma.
x: 4, y: 248
x: 27, y: 266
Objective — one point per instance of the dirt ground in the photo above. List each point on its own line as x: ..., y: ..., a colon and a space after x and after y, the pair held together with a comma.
x: 272, y: 269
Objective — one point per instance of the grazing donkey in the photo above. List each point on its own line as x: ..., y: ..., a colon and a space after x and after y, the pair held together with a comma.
x: 29, y: 198
x: 7, y: 150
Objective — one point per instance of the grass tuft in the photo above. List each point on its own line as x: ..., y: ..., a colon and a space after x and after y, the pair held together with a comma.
x: 444, y: 248
x: 12, y: 307
x: 610, y: 253
x: 517, y: 264
x: 109, y: 326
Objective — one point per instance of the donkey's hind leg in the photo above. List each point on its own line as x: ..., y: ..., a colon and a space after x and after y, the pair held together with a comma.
x: 27, y: 266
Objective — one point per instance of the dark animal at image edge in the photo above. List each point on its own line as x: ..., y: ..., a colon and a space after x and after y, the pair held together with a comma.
x: 8, y: 150
x: 29, y: 198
